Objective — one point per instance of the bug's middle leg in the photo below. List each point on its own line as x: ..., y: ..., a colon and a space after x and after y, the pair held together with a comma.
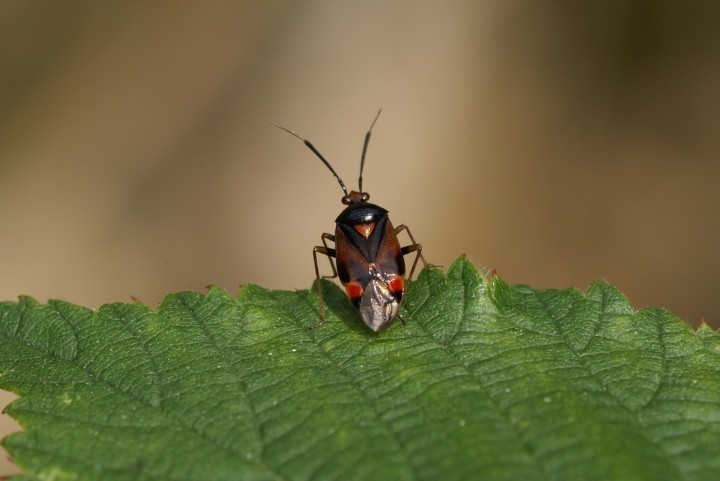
x: 330, y: 253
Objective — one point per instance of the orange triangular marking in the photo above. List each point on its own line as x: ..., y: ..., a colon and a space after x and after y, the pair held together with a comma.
x: 365, y: 229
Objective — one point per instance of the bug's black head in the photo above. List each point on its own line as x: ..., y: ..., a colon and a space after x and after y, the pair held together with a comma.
x: 355, y: 197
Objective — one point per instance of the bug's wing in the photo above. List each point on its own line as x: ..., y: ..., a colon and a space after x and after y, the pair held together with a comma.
x: 388, y: 254
x: 351, y: 256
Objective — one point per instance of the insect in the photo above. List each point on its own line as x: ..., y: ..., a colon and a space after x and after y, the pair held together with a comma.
x: 370, y: 261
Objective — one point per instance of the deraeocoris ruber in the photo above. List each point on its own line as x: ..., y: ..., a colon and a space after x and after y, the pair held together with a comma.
x: 370, y: 261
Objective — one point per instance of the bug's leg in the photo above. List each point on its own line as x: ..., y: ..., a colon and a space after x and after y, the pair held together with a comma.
x: 330, y: 253
x: 329, y: 237
x: 414, y: 247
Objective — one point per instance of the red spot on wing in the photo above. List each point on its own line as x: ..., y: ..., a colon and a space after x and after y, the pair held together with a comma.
x: 396, y: 284
x: 354, y: 291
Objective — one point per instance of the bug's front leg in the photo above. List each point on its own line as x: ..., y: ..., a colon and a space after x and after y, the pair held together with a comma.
x: 327, y: 237
x: 330, y: 253
x: 414, y: 247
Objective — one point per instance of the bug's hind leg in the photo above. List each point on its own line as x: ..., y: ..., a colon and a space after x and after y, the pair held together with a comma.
x: 330, y: 253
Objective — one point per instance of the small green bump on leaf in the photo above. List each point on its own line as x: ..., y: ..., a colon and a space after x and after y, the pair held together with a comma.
x: 710, y: 338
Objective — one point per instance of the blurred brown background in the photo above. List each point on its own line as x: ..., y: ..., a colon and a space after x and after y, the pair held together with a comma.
x: 557, y: 142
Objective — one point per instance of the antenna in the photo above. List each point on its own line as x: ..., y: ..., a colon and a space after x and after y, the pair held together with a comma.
x: 365, y: 146
x: 320, y: 156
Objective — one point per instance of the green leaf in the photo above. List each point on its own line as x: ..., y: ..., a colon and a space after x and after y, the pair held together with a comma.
x: 484, y: 381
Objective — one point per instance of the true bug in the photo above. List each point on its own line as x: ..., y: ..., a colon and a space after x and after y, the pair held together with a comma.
x: 370, y: 261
